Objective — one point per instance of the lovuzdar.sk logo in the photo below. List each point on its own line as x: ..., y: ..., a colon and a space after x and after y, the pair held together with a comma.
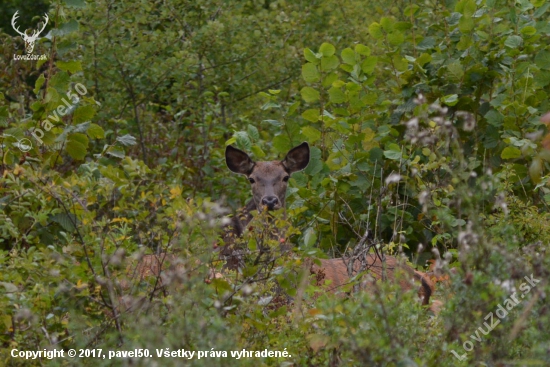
x: 29, y: 39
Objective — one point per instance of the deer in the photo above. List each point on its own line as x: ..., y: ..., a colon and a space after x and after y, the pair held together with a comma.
x: 29, y: 40
x: 269, y: 181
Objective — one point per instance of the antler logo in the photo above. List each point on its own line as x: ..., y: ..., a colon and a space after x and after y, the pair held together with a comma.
x: 29, y: 40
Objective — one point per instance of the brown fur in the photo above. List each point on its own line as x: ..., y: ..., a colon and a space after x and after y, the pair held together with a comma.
x: 335, y: 271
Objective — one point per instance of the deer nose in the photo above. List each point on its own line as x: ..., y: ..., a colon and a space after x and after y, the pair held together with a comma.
x: 270, y: 201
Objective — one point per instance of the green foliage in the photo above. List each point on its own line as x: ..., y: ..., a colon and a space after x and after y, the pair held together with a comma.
x: 425, y: 133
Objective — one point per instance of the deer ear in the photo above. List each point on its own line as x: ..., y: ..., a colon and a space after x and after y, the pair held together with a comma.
x: 297, y: 158
x: 238, y: 161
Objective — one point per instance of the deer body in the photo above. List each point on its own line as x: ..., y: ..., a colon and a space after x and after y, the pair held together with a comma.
x: 336, y: 272
x: 269, y: 183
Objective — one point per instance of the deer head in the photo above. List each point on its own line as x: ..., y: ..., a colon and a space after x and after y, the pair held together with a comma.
x: 29, y: 40
x: 268, y: 179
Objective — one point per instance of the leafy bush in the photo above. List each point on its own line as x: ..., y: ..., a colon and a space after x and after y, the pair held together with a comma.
x: 425, y: 133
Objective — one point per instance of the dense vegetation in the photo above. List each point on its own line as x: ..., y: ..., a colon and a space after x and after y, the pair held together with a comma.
x: 425, y: 126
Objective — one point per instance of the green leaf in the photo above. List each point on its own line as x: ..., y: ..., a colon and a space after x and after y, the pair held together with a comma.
x: 83, y: 114
x: 376, y: 154
x: 310, y: 56
x: 38, y: 84
x: 14, y: 132
x: 66, y: 28
x: 524, y: 5
x: 494, y: 118
x: 513, y: 41
x: 77, y: 145
x: 387, y: 24
x: 369, y: 135
x: 60, y: 82
x: 293, y: 107
x: 310, y: 73
x: 376, y: 31
x: 115, y: 152
x: 257, y: 151
x: 41, y: 62
x: 327, y: 49
x: 338, y: 83
x: 396, y: 38
x: 542, y: 10
x: 542, y: 78
x: 126, y: 140
x: 466, y: 7
x: 253, y: 132
x: 314, y: 167
x: 95, y: 132
x: 311, y: 115
x: 51, y: 96
x: 411, y: 10
x: 491, y: 137
x: 330, y: 78
x: 528, y: 30
x: 310, y: 237
x: 362, y: 50
x: 72, y: 66
x: 282, y: 143
x: 348, y: 56
x: 311, y: 133
x: 426, y: 44
x: 67, y: 221
x: 369, y: 64
x: 347, y: 68
x: 243, y: 140
x: 309, y: 94
x: 450, y: 100
x: 392, y: 154
x: 329, y: 63
x: 252, y: 244
x: 423, y: 59
x: 370, y: 99
x: 466, y: 24
x: 455, y: 70
x: 400, y: 63
x: 483, y: 35
x: 510, y: 153
x: 269, y: 105
x: 542, y: 59
x: 336, y: 95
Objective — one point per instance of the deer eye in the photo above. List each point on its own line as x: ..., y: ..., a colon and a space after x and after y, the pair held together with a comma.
x: 251, y: 180
x: 285, y: 179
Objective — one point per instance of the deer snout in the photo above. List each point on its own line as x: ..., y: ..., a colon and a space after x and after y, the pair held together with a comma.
x: 270, y: 201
